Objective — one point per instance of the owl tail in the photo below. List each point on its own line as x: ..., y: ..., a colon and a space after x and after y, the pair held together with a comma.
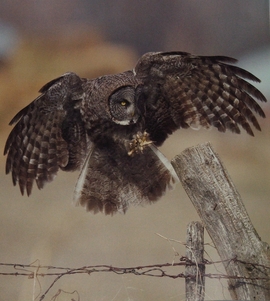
x: 111, y: 180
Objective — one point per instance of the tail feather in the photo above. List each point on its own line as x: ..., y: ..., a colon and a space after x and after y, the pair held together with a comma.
x: 111, y: 181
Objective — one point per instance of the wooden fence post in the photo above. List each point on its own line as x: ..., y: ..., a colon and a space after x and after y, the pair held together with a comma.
x: 195, y: 280
x: 208, y: 185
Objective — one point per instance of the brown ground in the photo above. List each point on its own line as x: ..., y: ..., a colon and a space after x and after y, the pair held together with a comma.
x: 48, y: 228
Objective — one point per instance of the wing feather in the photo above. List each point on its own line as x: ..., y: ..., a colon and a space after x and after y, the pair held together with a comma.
x: 196, y: 91
x: 38, y: 146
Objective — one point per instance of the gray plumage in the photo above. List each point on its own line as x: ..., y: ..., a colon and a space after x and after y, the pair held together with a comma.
x: 110, y: 127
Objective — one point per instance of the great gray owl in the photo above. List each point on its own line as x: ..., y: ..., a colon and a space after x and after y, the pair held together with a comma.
x: 109, y: 127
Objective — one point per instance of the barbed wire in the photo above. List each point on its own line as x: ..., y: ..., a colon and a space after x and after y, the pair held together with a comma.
x: 34, y: 270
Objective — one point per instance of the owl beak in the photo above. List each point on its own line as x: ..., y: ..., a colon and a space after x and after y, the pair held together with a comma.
x: 134, y: 117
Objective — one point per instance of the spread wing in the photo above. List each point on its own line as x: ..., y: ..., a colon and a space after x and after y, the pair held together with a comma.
x: 49, y: 134
x: 180, y: 90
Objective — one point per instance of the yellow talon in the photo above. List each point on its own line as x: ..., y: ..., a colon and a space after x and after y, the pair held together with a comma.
x: 140, y: 141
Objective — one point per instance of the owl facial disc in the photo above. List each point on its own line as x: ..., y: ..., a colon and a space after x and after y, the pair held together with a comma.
x: 123, y: 106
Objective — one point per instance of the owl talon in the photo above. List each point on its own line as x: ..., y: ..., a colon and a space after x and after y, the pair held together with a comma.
x: 140, y: 141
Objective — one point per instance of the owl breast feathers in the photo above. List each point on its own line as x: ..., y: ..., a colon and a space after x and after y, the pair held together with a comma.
x: 109, y: 127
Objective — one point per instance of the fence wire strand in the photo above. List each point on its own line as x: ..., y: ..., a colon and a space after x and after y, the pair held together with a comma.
x: 36, y: 271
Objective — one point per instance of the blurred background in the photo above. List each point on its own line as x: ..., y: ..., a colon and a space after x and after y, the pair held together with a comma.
x: 40, y: 40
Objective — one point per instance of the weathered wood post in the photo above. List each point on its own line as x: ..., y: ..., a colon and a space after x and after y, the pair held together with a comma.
x: 219, y: 205
x: 195, y: 280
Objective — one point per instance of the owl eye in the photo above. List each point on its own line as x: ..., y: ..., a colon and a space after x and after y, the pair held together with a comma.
x: 124, y: 103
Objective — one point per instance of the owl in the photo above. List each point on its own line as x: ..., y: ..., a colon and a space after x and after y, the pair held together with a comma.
x: 110, y: 128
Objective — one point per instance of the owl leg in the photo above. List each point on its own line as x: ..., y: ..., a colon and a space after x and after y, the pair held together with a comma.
x: 140, y: 141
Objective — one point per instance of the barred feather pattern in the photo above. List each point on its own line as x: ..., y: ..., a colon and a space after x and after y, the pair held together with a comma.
x: 199, y: 92
x: 36, y: 148
x: 37, y: 151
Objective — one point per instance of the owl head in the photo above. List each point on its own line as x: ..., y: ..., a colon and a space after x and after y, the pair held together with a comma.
x: 122, y: 106
x: 110, y: 100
